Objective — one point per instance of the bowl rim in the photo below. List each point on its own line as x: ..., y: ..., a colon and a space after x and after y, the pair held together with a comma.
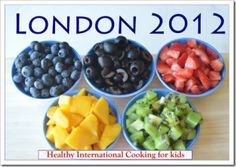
x: 151, y: 76
x: 50, y: 42
x: 189, y: 144
x: 112, y: 105
x: 185, y: 39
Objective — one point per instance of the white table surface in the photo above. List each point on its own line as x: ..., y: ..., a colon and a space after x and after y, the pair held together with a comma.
x: 24, y: 122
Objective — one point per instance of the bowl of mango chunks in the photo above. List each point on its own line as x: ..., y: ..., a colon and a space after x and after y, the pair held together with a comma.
x: 82, y: 120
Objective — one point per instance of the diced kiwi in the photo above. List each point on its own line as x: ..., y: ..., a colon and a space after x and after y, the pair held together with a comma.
x: 179, y: 145
x: 192, y: 119
x: 162, y: 142
x: 162, y: 129
x: 151, y: 130
x: 137, y: 137
x: 138, y: 124
x: 175, y: 132
x: 148, y: 144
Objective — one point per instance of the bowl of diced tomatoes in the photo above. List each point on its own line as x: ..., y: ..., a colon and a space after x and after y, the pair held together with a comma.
x: 190, y: 66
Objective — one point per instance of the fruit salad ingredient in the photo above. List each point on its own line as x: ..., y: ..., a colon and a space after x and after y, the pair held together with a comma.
x: 189, y: 67
x: 81, y: 122
x: 161, y: 123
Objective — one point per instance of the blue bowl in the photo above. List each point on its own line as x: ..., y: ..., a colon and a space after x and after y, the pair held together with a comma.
x: 151, y: 75
x: 49, y: 42
x: 211, y: 90
x: 160, y: 92
x: 113, y: 107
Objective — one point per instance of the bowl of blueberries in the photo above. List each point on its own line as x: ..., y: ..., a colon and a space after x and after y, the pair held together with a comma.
x: 46, y: 69
x: 118, y: 67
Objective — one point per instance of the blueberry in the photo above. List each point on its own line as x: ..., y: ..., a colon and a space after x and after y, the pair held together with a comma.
x: 63, y: 53
x: 56, y: 60
x: 75, y: 75
x: 26, y: 89
x: 109, y: 47
x: 38, y: 84
x: 46, y: 48
x: 47, y: 80
x: 29, y: 81
x: 21, y: 60
x: 27, y: 71
x: 58, y: 79
x: 30, y: 52
x: 52, y: 71
x: 45, y: 93
x: 89, y: 60
x: 59, y: 67
x: 91, y: 72
x: 78, y: 65
x: 38, y: 47
x: 50, y: 56
x: 34, y: 92
x: 68, y: 60
x: 32, y: 44
x: 64, y: 45
x: 121, y: 42
x: 18, y: 78
x: 38, y: 72
x: 56, y: 90
x: 35, y: 55
x: 45, y: 63
x: 36, y: 62
x: 65, y: 73
x: 54, y: 49
x: 67, y: 82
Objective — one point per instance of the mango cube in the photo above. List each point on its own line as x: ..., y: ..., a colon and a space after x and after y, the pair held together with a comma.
x: 49, y: 134
x: 81, y: 105
x: 51, y: 122
x: 112, y: 119
x: 82, y: 92
x: 51, y: 111
x: 60, y: 134
x: 64, y: 103
x: 91, y: 124
x: 61, y: 119
x: 109, y: 134
x: 101, y: 110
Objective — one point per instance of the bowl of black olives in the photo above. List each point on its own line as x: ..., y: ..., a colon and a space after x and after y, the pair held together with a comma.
x: 46, y: 69
x: 118, y: 67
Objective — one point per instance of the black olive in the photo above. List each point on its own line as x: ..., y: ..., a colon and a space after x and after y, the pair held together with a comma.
x: 98, y: 49
x: 125, y: 64
x: 107, y: 73
x: 118, y: 78
x: 99, y: 82
x: 121, y: 42
x: 109, y: 47
x: 133, y: 52
x: 122, y: 55
x: 127, y: 86
x: 109, y: 82
x: 89, y: 60
x: 146, y: 56
x: 137, y: 67
x: 123, y: 73
x: 113, y: 90
x: 140, y: 85
x: 105, y: 61
x: 91, y: 72
x: 134, y: 79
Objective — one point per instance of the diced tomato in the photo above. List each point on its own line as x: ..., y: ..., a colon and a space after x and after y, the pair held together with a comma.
x: 168, y: 78
x: 216, y: 65
x: 189, y: 84
x: 204, y: 80
x: 195, y: 89
x: 178, y: 46
x: 173, y: 53
x: 214, y: 76
x: 192, y: 43
x: 175, y: 66
x: 179, y: 83
x: 185, y: 73
x: 202, y: 47
x: 170, y: 61
x: 202, y: 54
x: 182, y: 59
x: 163, y: 68
x: 163, y: 54
x: 211, y: 53
x: 214, y: 83
x: 192, y: 62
